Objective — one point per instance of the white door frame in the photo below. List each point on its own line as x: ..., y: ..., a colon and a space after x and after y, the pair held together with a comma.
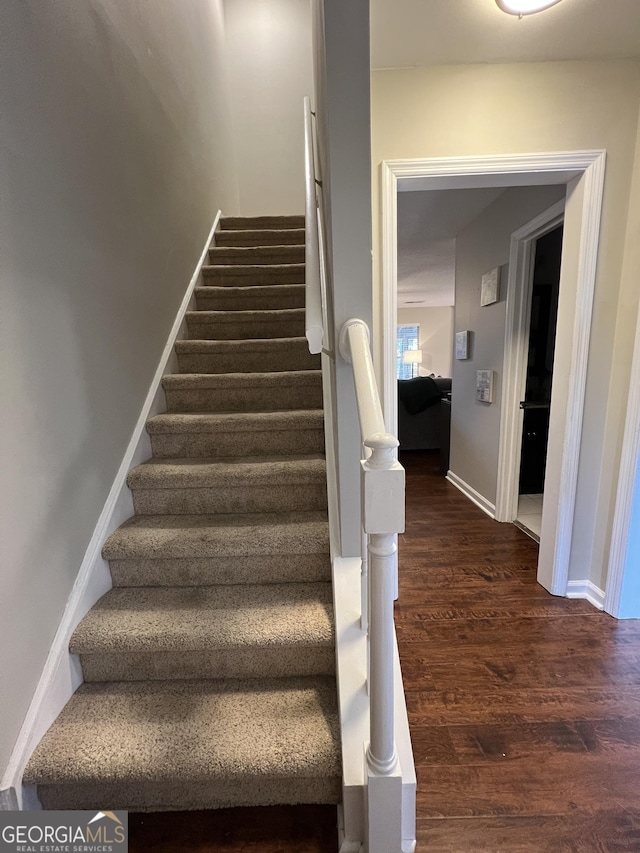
x: 516, y: 345
x: 586, y: 168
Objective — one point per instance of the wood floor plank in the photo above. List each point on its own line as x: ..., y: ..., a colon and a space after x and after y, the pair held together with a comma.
x: 572, y: 634
x: 559, y: 784
x: 495, y: 743
x: 457, y: 707
x: 603, y: 832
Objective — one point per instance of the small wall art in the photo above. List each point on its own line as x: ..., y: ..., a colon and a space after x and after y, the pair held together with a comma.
x: 462, y: 345
x: 484, y: 386
x: 490, y: 291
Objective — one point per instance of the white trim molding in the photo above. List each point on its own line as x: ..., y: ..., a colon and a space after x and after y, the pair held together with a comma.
x: 587, y: 590
x: 8, y: 800
x: 474, y: 496
x: 516, y: 344
x: 62, y: 674
x: 585, y: 167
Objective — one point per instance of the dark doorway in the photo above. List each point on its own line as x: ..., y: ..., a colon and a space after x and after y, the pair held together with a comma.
x: 542, y: 337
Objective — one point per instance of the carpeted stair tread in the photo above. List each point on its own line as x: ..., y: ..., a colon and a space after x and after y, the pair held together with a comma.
x: 245, y: 356
x: 234, y: 434
x: 256, y: 255
x: 244, y: 223
x: 224, y: 534
x: 203, y: 473
x: 238, y: 422
x: 258, y: 315
x: 222, y: 569
x: 256, y: 324
x: 243, y: 392
x: 192, y: 744
x: 226, y: 381
x: 238, y: 346
x: 253, y: 274
x: 256, y: 298
x: 261, y: 237
x: 215, y: 617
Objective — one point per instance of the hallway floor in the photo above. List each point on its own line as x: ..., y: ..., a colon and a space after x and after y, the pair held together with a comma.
x: 524, y: 708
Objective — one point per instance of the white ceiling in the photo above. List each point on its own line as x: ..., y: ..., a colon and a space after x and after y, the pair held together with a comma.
x: 428, y: 222
x: 406, y: 33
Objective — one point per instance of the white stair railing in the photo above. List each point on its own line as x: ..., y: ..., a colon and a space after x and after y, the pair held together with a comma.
x: 314, y: 326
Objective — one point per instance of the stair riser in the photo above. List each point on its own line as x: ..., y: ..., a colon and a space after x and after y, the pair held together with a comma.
x: 211, y: 663
x: 250, y: 298
x: 255, y: 223
x: 246, y: 329
x: 247, y: 277
x: 236, y: 444
x: 175, y: 795
x: 264, y: 237
x: 257, y: 255
x: 244, y: 399
x: 229, y: 499
x: 247, y: 362
x: 264, y: 568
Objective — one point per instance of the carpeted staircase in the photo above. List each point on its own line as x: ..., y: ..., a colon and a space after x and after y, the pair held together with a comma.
x: 209, y: 667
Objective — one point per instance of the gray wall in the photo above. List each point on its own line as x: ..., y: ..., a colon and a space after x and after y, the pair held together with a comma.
x: 436, y: 337
x: 483, y: 245
x: 115, y: 156
x: 270, y: 71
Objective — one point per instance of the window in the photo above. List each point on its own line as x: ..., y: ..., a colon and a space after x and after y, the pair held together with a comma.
x: 407, y: 338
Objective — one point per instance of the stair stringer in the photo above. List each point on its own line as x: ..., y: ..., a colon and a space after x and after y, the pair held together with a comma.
x: 62, y: 674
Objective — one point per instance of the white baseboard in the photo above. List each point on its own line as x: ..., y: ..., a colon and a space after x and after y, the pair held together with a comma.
x: 585, y: 589
x: 62, y: 674
x: 469, y: 492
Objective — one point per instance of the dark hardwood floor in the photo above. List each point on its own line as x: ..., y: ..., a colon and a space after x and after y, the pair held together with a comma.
x: 524, y: 708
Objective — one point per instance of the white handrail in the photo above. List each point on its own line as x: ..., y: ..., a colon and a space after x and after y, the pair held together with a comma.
x: 314, y: 329
x: 382, y: 520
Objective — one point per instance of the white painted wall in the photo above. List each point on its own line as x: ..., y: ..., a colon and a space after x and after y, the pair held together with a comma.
x: 625, y: 340
x: 116, y: 155
x: 436, y: 337
x: 270, y: 72
x: 545, y: 106
x: 481, y: 246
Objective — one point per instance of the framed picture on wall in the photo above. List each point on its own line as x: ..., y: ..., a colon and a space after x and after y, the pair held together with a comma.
x: 484, y: 386
x: 462, y: 345
x: 490, y: 291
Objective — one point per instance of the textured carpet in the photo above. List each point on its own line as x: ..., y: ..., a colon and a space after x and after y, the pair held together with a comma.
x: 209, y: 666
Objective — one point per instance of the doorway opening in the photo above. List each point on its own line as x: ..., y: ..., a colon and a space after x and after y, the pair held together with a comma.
x: 536, y: 401
x: 582, y: 172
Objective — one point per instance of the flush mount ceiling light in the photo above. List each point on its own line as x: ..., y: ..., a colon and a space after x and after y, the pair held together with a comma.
x: 525, y: 7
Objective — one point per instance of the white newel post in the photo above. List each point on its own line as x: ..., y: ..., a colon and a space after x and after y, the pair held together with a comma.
x: 382, y: 519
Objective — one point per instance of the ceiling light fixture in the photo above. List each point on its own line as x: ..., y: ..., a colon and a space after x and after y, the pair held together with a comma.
x: 525, y: 7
